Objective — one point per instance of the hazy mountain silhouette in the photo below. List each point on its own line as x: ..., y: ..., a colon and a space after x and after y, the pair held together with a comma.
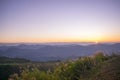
x: 43, y: 52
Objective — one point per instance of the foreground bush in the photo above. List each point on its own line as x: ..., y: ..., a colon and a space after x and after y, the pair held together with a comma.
x: 85, y: 68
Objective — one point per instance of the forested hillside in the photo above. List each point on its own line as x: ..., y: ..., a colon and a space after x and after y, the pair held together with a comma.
x: 13, y: 60
x: 46, y: 53
x: 96, y: 67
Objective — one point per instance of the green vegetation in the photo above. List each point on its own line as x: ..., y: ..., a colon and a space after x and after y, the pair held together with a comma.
x: 7, y: 70
x: 11, y: 66
x: 96, y: 67
x: 13, y: 60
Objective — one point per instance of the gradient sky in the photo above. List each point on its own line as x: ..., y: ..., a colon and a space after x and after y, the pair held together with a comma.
x: 59, y: 20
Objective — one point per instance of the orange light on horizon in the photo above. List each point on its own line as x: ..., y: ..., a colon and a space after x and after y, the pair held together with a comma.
x: 38, y: 40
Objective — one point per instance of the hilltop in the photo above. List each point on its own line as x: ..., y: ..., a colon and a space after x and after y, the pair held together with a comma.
x: 95, y: 67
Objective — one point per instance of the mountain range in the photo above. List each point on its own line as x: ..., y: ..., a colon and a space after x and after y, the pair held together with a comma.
x: 51, y: 52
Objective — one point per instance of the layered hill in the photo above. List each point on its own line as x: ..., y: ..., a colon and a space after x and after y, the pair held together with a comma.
x: 42, y: 52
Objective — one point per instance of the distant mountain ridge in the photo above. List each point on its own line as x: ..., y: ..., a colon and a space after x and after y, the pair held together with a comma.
x: 46, y: 52
x: 13, y: 60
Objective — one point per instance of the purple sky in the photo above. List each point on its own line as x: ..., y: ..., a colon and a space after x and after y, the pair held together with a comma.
x: 59, y: 20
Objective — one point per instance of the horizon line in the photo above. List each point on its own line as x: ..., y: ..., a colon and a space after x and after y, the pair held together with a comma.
x: 53, y: 42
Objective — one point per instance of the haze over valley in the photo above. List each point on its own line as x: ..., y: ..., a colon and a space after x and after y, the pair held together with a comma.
x: 56, y: 51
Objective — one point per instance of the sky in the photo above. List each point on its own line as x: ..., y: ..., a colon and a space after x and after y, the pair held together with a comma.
x: 59, y: 21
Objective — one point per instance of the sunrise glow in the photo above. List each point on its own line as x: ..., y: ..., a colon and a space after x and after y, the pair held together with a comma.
x: 57, y: 21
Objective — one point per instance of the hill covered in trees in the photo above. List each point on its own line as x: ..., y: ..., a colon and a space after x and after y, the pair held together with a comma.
x: 96, y: 67
x: 13, y: 60
x: 51, y: 52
